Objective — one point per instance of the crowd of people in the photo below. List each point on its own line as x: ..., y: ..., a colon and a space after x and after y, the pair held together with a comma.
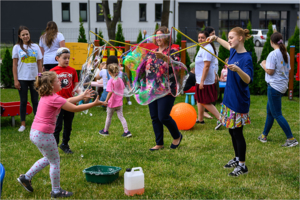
x: 45, y: 70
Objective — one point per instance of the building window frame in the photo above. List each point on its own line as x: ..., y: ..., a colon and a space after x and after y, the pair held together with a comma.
x: 140, y: 19
x: 62, y: 12
x: 97, y: 13
x: 156, y: 19
x: 206, y: 21
x: 83, y: 20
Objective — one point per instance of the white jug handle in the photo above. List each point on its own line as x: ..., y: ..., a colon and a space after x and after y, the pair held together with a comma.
x: 133, y: 169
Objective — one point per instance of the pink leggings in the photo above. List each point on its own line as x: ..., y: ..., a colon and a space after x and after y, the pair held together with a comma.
x: 110, y: 112
x: 46, y: 143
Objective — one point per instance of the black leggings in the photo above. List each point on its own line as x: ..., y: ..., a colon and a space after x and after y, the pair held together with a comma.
x: 23, y: 92
x: 239, y: 143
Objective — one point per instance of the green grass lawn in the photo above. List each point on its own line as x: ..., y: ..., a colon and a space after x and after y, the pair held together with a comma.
x: 194, y: 170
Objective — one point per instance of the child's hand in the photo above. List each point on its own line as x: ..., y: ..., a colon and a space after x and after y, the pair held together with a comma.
x: 97, y: 102
x: 233, y: 67
x: 89, y: 93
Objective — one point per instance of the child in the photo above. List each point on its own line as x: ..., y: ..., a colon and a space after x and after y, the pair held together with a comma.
x: 105, y: 77
x: 224, y: 72
x: 69, y: 79
x: 42, y: 128
x: 236, y: 102
x: 115, y: 102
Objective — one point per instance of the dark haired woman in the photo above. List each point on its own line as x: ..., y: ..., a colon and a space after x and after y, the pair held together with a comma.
x: 27, y: 62
x: 156, y: 68
x: 206, y: 92
x: 277, y: 69
x: 50, y: 41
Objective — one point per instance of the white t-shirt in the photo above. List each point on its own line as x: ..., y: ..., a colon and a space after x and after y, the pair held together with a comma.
x: 50, y: 53
x: 216, y: 67
x: 279, y: 80
x: 27, y: 63
x: 103, y: 75
x: 199, y: 61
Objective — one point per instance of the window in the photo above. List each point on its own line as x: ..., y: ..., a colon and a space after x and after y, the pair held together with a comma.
x: 278, y: 18
x: 262, y: 19
x: 65, y: 8
x: 201, y: 19
x: 83, y: 11
x: 115, y: 9
x: 158, y: 12
x: 99, y: 11
x: 143, y: 12
x: 231, y: 19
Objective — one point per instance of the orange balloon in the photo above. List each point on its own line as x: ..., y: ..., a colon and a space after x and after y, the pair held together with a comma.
x: 184, y: 115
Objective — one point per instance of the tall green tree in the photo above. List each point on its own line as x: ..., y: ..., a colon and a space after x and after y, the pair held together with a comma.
x: 223, y: 53
x: 101, y: 42
x: 261, y: 84
x: 7, y: 78
x: 294, y: 40
x: 119, y: 36
x: 156, y: 26
x: 187, y: 57
x: 249, y: 46
x: 82, y: 36
x: 139, y: 38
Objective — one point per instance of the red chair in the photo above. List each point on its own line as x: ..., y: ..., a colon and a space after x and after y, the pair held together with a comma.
x: 12, y: 109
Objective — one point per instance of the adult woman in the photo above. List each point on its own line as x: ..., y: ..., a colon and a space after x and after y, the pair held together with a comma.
x: 50, y: 41
x: 27, y: 62
x: 160, y: 109
x: 236, y: 102
x: 277, y: 69
x: 206, y: 92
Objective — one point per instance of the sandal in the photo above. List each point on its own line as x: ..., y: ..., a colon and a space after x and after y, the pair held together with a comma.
x: 61, y: 193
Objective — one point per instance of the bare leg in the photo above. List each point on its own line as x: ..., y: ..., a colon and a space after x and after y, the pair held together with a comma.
x: 200, y: 112
x: 211, y: 108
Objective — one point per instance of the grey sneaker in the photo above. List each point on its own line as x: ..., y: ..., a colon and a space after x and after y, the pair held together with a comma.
x: 290, y: 143
x: 239, y: 171
x: 262, y: 139
x: 231, y: 163
x: 25, y: 183
x: 61, y: 193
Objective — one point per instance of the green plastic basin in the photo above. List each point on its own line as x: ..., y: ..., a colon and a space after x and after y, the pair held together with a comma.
x: 101, y: 174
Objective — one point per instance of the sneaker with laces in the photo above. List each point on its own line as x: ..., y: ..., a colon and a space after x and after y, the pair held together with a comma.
x: 290, y: 143
x: 22, y: 128
x: 262, y: 138
x: 128, y: 134
x: 104, y: 133
x: 66, y: 149
x: 238, y: 171
x: 61, y: 193
x: 219, y: 124
x: 231, y: 163
x: 25, y: 183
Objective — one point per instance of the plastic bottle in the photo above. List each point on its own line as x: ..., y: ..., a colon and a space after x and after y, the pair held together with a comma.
x: 134, y: 181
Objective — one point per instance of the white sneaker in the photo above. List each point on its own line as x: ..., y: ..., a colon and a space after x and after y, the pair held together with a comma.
x: 129, y: 103
x: 22, y: 128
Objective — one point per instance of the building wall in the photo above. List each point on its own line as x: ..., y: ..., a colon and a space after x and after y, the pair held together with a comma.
x: 33, y: 14
x: 129, y: 18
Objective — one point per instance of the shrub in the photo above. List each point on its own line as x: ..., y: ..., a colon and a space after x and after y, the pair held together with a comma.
x: 82, y: 36
x: 139, y: 38
x: 7, y: 78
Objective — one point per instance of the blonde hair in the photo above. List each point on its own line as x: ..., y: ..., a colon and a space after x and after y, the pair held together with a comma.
x: 245, y: 33
x: 113, y: 68
x: 44, y: 83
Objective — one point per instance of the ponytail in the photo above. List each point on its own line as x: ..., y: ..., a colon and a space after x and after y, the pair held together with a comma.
x: 245, y: 33
x: 276, y: 38
x: 44, y: 83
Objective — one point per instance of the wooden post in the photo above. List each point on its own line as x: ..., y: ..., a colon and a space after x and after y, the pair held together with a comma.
x: 183, y: 53
x: 291, y: 78
x: 97, y: 44
x: 127, y: 47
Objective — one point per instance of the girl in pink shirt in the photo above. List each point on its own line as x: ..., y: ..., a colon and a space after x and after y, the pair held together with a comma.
x: 41, y: 133
x: 115, y: 88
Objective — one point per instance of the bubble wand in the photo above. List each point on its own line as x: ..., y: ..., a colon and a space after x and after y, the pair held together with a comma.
x: 132, y: 45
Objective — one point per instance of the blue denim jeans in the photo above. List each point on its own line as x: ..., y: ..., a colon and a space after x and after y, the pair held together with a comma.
x: 103, y: 95
x: 274, y: 112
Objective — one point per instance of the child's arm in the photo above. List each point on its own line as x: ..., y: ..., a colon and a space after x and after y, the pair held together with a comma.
x: 72, y: 108
x: 222, y: 78
x: 87, y: 94
x: 245, y: 77
x: 108, y: 97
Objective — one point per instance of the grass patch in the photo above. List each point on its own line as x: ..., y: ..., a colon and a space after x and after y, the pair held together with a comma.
x: 193, y: 171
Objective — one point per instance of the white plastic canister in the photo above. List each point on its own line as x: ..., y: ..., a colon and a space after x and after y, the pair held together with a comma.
x: 134, y: 181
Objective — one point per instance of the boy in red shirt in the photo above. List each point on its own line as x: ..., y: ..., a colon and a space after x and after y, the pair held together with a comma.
x: 69, y: 79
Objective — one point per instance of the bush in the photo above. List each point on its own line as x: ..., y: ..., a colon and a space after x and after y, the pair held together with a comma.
x: 156, y: 26
x: 139, y: 38
x: 249, y: 46
x: 187, y: 57
x: 101, y: 42
x: 223, y: 53
x: 119, y: 35
x: 81, y: 37
x: 294, y: 40
x: 7, y: 78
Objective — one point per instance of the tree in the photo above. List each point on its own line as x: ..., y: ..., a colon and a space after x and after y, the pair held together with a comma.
x: 119, y: 36
x: 156, y: 26
x: 139, y: 38
x: 294, y: 40
x: 223, y: 53
x: 187, y: 57
x: 7, y: 78
x: 101, y: 42
x: 111, y: 21
x: 81, y: 37
x: 249, y: 46
x: 261, y: 84
x: 165, y: 13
